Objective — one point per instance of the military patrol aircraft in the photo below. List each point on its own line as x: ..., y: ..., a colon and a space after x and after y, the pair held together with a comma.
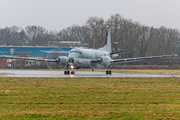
x: 90, y: 58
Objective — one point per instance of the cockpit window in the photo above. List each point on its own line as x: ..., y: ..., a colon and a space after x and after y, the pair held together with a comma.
x: 79, y: 52
x: 76, y: 52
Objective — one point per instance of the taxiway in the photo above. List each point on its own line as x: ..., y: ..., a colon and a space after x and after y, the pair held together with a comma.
x: 39, y: 73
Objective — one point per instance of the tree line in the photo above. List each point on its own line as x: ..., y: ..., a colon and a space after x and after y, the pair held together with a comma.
x: 127, y: 33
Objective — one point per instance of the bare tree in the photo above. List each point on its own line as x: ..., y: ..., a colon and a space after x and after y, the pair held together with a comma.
x: 74, y: 33
x: 13, y: 36
x: 97, y: 27
x: 36, y: 35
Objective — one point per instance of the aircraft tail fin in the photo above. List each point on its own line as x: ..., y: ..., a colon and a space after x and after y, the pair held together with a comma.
x: 107, y: 47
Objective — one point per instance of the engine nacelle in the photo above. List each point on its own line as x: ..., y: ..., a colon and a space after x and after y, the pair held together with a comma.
x: 104, y: 60
x: 115, y: 56
x: 62, y: 60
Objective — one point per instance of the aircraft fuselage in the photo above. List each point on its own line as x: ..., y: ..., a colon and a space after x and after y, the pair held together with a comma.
x: 82, y: 57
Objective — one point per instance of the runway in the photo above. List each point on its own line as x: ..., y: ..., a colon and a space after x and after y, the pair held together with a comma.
x: 40, y: 73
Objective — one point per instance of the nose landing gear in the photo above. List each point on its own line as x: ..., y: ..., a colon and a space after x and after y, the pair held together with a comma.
x: 72, y: 72
x: 70, y: 66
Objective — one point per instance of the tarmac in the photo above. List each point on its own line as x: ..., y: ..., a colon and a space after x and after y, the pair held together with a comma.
x: 40, y: 73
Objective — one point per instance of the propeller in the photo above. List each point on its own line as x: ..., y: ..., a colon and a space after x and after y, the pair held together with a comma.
x: 97, y: 64
x: 56, y: 54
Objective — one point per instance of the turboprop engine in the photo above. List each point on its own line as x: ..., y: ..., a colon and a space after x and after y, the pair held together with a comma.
x: 63, y: 60
x: 114, y: 56
x: 104, y: 60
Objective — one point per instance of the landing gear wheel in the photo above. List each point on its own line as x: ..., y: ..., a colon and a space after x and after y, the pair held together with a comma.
x: 65, y: 72
x: 68, y: 72
x: 107, y: 72
x: 72, y: 73
x: 110, y: 72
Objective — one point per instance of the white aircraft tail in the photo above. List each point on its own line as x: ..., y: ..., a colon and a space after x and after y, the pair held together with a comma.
x: 107, y: 47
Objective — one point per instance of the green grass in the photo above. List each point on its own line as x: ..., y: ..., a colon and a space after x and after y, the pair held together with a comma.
x: 89, y: 98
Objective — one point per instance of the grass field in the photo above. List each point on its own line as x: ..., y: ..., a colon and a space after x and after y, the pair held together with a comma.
x: 89, y: 98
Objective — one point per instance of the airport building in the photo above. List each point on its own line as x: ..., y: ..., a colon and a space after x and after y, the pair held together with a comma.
x: 31, y: 51
x: 66, y: 44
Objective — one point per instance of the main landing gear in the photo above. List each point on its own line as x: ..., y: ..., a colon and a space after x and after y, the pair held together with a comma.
x: 108, y: 72
x: 69, y: 72
x: 66, y: 72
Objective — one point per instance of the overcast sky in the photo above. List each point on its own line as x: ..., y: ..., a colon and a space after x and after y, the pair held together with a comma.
x: 59, y: 14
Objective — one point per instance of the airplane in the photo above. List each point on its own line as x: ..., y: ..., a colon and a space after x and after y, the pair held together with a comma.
x: 91, y: 58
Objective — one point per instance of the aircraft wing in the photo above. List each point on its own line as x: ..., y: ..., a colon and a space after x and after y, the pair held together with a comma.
x: 140, y: 58
x: 122, y: 51
x: 25, y: 58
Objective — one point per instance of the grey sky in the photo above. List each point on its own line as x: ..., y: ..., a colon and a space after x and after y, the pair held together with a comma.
x: 59, y: 14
